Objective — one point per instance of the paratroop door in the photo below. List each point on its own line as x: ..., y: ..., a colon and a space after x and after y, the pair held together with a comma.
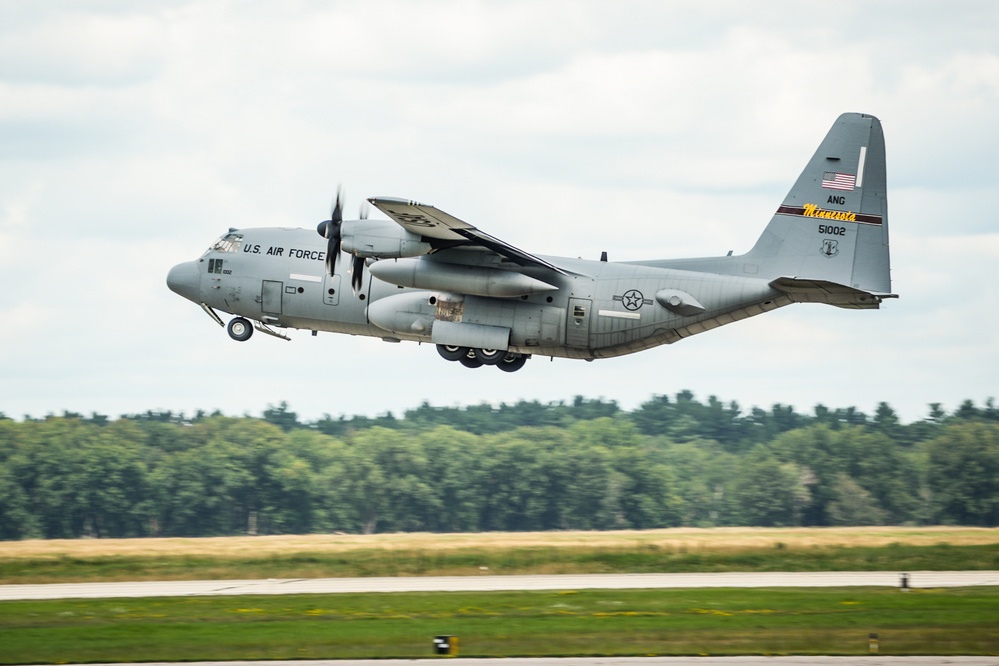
x: 577, y: 323
x: 270, y: 297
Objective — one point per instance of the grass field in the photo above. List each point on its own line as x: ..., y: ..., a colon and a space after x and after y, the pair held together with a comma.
x: 680, y: 550
x: 587, y: 622
x: 590, y: 622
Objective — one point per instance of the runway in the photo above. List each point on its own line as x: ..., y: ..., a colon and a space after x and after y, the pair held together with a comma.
x: 487, y: 583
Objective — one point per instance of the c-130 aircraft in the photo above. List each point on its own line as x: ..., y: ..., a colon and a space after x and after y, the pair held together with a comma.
x: 426, y: 276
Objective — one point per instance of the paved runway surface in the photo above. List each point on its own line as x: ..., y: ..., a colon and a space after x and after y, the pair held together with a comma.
x: 624, y: 661
x: 920, y: 579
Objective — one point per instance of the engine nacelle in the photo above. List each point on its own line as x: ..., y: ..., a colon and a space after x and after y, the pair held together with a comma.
x: 471, y: 280
x: 411, y: 313
x: 380, y: 239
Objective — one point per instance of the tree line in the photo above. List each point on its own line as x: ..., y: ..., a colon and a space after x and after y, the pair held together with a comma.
x: 585, y: 464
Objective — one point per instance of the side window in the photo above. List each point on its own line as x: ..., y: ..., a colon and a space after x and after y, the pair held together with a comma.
x: 214, y: 265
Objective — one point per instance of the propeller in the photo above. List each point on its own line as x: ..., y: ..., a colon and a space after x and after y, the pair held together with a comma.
x: 330, y: 230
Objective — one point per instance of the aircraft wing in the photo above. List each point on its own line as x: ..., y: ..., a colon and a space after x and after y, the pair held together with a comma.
x: 431, y: 223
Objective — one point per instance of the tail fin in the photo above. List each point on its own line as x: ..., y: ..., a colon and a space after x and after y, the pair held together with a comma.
x: 828, y: 241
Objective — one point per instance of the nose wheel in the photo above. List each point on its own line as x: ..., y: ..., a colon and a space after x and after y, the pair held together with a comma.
x: 240, y: 329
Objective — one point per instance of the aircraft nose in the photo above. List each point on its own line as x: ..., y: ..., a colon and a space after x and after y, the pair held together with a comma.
x: 185, y: 279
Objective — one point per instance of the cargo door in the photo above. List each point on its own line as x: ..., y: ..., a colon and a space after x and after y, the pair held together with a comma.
x: 577, y: 323
x: 270, y: 297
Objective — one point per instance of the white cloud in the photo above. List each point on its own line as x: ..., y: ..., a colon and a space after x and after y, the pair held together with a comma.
x: 131, y: 135
x: 81, y: 48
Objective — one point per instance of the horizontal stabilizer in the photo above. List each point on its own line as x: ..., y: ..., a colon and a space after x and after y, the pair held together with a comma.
x: 803, y: 290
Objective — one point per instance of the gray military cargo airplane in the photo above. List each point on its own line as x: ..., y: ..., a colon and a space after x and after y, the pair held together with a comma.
x: 426, y: 276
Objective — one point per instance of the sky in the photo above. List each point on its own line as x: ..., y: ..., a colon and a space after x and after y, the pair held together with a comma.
x: 134, y: 133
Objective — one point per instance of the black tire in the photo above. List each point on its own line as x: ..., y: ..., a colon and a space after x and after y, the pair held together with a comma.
x: 470, y: 360
x: 512, y: 362
x: 452, y: 353
x: 240, y: 329
x: 490, y: 356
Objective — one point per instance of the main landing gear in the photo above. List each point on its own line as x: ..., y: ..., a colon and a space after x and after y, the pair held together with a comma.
x: 474, y: 358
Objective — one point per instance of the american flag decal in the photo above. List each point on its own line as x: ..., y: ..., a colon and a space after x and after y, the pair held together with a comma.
x: 838, y: 181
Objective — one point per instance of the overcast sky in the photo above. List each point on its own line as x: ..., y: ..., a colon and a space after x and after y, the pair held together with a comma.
x: 132, y: 134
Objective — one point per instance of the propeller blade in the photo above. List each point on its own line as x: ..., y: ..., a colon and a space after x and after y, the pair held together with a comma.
x: 330, y: 230
x: 356, y: 273
x: 337, y: 213
x: 332, y: 251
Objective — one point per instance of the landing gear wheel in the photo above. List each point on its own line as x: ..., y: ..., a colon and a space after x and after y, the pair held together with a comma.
x: 490, y: 356
x: 452, y: 353
x: 512, y: 362
x: 240, y: 329
x: 470, y: 360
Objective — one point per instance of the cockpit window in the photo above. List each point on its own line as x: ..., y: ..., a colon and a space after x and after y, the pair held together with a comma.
x: 228, y: 243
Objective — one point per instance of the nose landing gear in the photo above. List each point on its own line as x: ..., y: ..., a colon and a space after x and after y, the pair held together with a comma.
x: 240, y: 329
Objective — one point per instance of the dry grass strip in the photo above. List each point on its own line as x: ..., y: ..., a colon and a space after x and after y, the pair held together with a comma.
x: 691, y: 539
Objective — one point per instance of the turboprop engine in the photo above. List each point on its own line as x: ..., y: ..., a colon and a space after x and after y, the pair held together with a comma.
x: 380, y: 239
x: 366, y: 239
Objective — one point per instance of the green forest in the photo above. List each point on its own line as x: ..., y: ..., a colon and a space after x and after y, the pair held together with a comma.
x: 582, y: 465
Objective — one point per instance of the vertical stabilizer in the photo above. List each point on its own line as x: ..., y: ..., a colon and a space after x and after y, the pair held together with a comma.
x: 828, y: 240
